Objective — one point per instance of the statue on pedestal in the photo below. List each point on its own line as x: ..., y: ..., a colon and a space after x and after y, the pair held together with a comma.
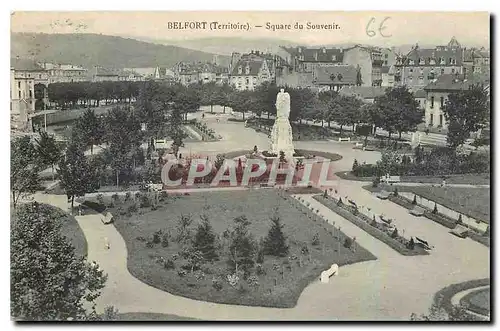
x: 281, y: 133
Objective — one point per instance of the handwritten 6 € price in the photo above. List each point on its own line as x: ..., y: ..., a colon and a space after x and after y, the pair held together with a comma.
x: 381, y: 27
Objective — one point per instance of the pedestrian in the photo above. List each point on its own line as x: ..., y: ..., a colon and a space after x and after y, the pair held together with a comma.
x: 106, y: 243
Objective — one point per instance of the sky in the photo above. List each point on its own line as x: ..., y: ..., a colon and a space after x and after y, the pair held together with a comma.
x: 435, y: 28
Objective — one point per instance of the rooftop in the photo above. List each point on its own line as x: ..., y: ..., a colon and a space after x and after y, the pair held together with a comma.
x: 454, y: 82
x: 253, y: 64
x: 316, y: 54
x: 25, y: 65
x: 338, y: 75
x: 363, y: 92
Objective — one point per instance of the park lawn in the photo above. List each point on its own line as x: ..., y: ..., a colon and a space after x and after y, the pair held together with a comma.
x: 478, y: 301
x: 284, y: 278
x: 472, y: 201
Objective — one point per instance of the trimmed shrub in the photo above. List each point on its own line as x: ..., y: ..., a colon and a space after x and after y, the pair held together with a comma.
x: 414, y: 202
x: 396, y: 193
x: 164, y: 240
x: 157, y: 237
x: 347, y: 242
x: 315, y: 240
x: 376, y: 181
x: 395, y: 233
x: 435, y: 210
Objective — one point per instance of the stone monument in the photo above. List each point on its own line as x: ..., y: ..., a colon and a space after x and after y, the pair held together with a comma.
x: 281, y: 133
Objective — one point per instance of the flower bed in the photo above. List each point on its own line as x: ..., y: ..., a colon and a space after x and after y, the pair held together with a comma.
x: 478, y: 301
x: 363, y: 222
x: 272, y: 282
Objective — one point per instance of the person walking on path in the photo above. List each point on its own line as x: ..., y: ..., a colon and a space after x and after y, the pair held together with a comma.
x: 106, y: 243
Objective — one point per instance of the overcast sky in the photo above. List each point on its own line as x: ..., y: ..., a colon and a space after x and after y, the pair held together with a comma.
x: 470, y: 28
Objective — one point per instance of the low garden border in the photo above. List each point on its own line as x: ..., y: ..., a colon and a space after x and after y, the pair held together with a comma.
x: 444, y: 295
x: 439, y: 218
x: 362, y: 223
x: 465, y: 301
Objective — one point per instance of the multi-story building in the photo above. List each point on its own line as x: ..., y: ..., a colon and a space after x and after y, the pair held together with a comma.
x: 365, y: 93
x: 65, y: 73
x: 476, y: 61
x: 22, y: 93
x: 369, y: 59
x: 334, y: 78
x: 304, y: 59
x: 422, y: 65
x: 438, y: 91
x: 249, y: 71
x: 388, y: 76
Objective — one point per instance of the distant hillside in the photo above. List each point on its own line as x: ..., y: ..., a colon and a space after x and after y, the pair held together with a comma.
x: 89, y: 50
x: 227, y: 45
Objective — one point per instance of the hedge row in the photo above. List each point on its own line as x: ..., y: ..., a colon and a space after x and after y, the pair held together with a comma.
x: 374, y: 232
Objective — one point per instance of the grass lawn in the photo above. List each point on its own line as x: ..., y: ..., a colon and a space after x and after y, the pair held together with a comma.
x: 478, y: 301
x: 471, y: 201
x: 281, y: 279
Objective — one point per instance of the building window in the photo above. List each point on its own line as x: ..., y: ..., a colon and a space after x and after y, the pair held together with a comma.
x: 18, y: 84
x: 386, y: 56
x: 432, y: 103
x: 441, y: 120
x: 411, y: 70
x: 247, y: 81
x: 431, y: 122
x: 452, y: 70
x: 441, y: 101
x: 30, y: 94
x: 441, y: 60
x: 442, y: 71
x: 334, y: 58
x: 240, y: 70
x: 19, y: 94
x: 40, y: 76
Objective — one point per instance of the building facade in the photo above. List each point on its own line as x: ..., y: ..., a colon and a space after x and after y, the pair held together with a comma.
x: 249, y: 71
x: 22, y: 98
x: 421, y: 66
x: 438, y: 91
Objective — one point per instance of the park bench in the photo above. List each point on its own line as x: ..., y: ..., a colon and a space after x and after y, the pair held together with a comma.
x: 358, y: 145
x: 107, y: 219
x: 391, y: 179
x: 417, y: 211
x: 460, y: 231
x: 333, y: 271
x: 341, y: 139
x: 383, y: 195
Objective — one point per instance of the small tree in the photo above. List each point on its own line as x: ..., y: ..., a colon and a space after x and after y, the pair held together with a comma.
x: 376, y: 181
x: 396, y: 193
x: 48, y: 151
x: 275, y: 242
x: 414, y: 202
x: 411, y: 244
x: 435, y: 210
x: 459, y: 219
x: 204, y: 239
x: 183, y: 231
x: 394, y: 233
x: 340, y: 202
x: 241, y: 245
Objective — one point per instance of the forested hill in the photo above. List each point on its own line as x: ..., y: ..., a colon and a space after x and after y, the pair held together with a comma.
x: 89, y: 50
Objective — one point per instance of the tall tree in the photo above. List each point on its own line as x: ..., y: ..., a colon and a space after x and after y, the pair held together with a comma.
x: 77, y: 173
x: 47, y: 150
x: 24, y: 168
x: 466, y: 111
x: 89, y: 129
x: 123, y: 135
x: 49, y: 281
x: 399, y: 110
